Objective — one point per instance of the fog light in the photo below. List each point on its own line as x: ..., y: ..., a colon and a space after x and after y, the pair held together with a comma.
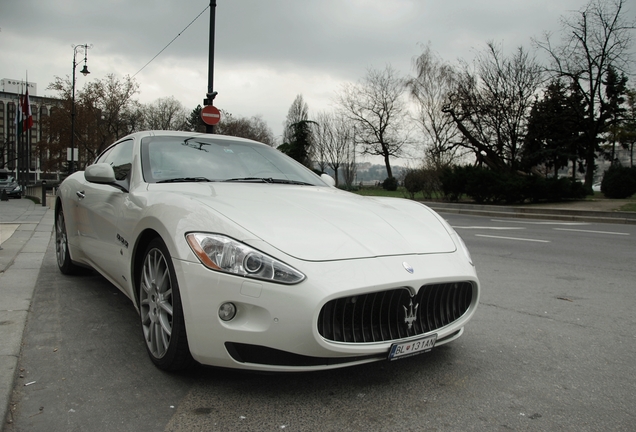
x: 227, y: 311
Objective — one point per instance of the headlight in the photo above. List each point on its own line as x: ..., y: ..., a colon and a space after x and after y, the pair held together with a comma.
x: 222, y: 253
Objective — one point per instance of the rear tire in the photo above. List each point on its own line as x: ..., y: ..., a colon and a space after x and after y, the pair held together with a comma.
x: 162, y: 321
x: 64, y: 262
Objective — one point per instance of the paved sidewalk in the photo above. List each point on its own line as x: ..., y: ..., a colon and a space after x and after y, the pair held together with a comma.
x: 25, y: 232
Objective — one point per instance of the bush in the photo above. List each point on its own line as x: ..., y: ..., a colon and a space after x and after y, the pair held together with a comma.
x: 453, y: 182
x: 390, y: 184
x: 486, y: 186
x: 619, y: 182
x: 413, y: 182
x: 482, y: 184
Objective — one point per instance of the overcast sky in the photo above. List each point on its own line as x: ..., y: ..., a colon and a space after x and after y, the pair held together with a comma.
x: 266, y: 51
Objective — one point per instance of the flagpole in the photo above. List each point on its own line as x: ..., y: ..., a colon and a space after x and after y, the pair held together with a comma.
x: 27, y: 111
x: 18, y: 136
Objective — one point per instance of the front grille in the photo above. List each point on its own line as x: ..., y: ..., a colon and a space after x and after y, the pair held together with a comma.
x: 386, y: 315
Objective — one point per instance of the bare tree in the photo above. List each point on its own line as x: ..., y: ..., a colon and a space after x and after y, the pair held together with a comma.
x: 595, y: 39
x: 491, y: 103
x: 253, y: 128
x: 111, y: 99
x: 333, y: 139
x: 349, y: 164
x: 323, y: 136
x: 376, y: 108
x: 627, y: 134
x: 431, y: 87
x: 105, y: 112
x: 165, y: 113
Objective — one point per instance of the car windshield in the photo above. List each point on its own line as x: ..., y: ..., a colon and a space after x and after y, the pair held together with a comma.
x: 196, y: 159
x: 6, y: 180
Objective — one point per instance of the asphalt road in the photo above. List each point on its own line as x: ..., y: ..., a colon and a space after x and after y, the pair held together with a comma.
x: 551, y: 347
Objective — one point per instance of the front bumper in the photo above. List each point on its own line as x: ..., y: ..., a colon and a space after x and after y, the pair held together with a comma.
x: 276, y: 326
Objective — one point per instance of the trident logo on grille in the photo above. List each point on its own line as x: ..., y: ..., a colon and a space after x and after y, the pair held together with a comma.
x: 410, y: 314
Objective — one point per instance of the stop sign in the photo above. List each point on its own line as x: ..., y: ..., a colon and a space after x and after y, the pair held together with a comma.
x: 210, y: 115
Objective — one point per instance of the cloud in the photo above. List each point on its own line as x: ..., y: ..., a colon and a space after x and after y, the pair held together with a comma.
x: 266, y: 52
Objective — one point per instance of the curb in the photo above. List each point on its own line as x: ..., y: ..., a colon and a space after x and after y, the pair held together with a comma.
x: 543, y: 213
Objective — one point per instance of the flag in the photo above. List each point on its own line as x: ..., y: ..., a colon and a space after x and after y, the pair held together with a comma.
x: 18, y: 118
x: 27, y: 117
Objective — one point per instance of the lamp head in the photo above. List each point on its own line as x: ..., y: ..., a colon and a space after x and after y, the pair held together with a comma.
x: 84, y: 70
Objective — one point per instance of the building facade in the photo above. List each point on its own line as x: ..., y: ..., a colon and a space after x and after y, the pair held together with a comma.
x: 18, y: 154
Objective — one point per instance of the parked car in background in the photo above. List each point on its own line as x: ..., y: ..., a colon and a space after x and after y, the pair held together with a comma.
x: 237, y: 256
x: 9, y: 185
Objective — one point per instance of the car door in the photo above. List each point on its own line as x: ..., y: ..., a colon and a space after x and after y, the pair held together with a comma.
x: 102, y: 206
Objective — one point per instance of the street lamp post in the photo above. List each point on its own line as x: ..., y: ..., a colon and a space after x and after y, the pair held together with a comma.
x: 84, y: 72
x: 211, y: 94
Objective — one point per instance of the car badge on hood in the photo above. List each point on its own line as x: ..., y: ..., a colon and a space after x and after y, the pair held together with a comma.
x: 410, y: 314
x: 408, y: 267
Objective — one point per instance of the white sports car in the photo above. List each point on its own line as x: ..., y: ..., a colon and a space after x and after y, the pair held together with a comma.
x: 237, y: 256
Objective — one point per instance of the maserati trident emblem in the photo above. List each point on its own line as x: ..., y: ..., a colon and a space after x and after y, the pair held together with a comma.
x: 408, y: 267
x: 410, y: 314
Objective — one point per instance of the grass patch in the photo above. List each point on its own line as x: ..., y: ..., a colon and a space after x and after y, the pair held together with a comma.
x: 399, y: 193
x: 630, y: 207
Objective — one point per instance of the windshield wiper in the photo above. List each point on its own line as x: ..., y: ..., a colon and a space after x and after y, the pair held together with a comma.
x: 293, y: 182
x: 186, y: 180
x: 249, y: 180
x: 267, y: 180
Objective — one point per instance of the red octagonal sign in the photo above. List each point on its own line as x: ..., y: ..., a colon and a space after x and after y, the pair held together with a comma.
x: 210, y: 115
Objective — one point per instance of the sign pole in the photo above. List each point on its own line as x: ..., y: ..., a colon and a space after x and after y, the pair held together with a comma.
x: 209, y: 128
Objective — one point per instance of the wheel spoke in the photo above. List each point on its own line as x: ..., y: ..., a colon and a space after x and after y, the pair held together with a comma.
x: 166, y: 306
x: 159, y: 340
x: 166, y: 324
x: 163, y: 282
x: 145, y: 281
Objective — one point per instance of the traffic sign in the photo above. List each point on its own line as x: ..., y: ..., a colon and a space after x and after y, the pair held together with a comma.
x: 210, y: 115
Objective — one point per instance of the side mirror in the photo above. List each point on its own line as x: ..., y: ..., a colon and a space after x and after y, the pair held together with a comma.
x: 328, y: 179
x: 101, y: 173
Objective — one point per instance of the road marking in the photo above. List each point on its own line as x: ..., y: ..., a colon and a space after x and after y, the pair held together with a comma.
x: 488, y: 228
x: 540, y: 223
x: 513, y: 238
x: 590, y: 231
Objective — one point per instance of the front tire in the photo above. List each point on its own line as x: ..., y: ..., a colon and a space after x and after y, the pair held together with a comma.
x: 162, y: 320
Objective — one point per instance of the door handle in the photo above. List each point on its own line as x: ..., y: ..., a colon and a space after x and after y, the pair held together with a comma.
x: 80, y: 194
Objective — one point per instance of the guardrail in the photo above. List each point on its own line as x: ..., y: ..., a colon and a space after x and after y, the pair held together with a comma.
x: 42, y: 192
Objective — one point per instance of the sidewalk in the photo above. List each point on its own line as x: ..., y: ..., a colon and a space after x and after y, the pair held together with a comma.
x: 25, y: 233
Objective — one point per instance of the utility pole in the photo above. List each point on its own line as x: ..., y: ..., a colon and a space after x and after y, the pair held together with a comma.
x: 211, y: 94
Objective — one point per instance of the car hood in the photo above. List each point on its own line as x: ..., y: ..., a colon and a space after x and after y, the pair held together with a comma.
x: 324, y: 224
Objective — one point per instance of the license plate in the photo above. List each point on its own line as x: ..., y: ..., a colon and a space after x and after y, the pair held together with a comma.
x: 410, y: 348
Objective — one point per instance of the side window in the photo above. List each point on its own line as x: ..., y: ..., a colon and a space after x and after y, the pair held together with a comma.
x: 120, y: 158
